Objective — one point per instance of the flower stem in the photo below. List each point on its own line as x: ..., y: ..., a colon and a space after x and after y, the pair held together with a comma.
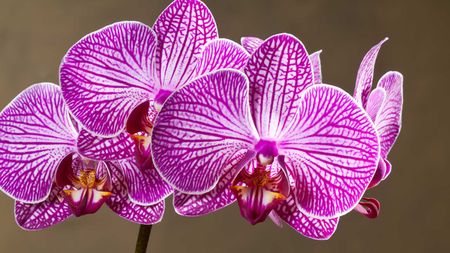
x: 142, y: 240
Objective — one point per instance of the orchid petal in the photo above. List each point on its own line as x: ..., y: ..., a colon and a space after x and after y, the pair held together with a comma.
x: 124, y: 207
x: 276, y: 219
x: 316, y: 66
x: 41, y: 215
x: 36, y: 134
x: 317, y: 229
x: 389, y: 119
x: 278, y: 71
x: 199, y: 128
x: 221, y: 196
x: 251, y: 44
x: 105, y: 149
x: 145, y: 185
x: 107, y: 74
x: 332, y: 151
x: 365, y: 74
x: 183, y: 29
x: 221, y: 54
x: 374, y: 102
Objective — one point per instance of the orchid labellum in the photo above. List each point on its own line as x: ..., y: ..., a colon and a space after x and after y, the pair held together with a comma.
x: 270, y: 139
x: 42, y: 169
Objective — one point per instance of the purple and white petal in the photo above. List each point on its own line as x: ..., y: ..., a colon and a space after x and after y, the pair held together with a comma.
x: 365, y: 74
x: 331, y: 150
x: 36, y: 134
x: 192, y: 205
x: 41, y: 215
x: 183, y: 29
x: 221, y: 54
x: 317, y: 229
x: 200, y: 128
x: 106, y: 74
x: 316, y: 66
x: 389, y: 119
x: 374, y: 102
x: 124, y: 207
x: 144, y: 184
x: 278, y: 71
x: 251, y: 44
x: 105, y: 149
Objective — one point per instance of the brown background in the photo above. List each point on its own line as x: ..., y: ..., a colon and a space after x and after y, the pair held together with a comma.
x: 34, y: 35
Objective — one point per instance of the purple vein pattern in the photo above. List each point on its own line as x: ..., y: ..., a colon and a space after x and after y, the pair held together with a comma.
x: 278, y: 71
x: 333, y: 148
x: 145, y: 186
x: 107, y: 74
x: 120, y: 203
x: 208, y: 120
x: 105, y: 149
x: 35, y: 135
x: 389, y: 119
x: 316, y: 65
x: 251, y: 44
x: 365, y: 74
x: 310, y: 227
x: 38, y: 216
x: 222, y: 53
x: 183, y: 28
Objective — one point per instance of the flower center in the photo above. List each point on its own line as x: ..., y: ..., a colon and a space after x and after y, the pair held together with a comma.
x: 84, y: 189
x: 259, y: 189
x: 266, y: 150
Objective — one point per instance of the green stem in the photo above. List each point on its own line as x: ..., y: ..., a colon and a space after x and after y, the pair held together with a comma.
x: 142, y: 240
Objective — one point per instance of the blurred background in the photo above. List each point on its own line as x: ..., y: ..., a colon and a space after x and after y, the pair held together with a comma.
x: 34, y: 36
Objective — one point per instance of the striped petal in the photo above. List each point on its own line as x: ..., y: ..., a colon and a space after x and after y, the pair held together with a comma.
x: 120, y: 203
x: 183, y: 29
x: 331, y: 151
x: 192, y: 205
x: 316, y: 66
x: 389, y: 119
x: 41, y: 215
x: 317, y: 229
x: 374, y: 102
x: 145, y: 185
x: 251, y: 44
x: 221, y: 54
x: 105, y: 149
x: 200, y: 128
x: 106, y: 74
x: 365, y: 74
x: 278, y: 71
x: 36, y: 134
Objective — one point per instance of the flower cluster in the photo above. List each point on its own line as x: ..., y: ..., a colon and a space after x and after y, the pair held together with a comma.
x: 145, y: 112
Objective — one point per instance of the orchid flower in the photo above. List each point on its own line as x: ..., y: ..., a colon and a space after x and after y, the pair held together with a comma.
x: 270, y: 139
x: 42, y: 169
x: 384, y: 106
x: 118, y: 77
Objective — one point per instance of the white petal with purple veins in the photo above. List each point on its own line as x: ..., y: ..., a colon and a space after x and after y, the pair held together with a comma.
x: 105, y: 149
x: 41, y: 215
x: 331, y: 150
x: 124, y: 207
x: 221, y: 54
x: 316, y: 66
x: 183, y: 29
x: 106, y: 74
x: 251, y: 44
x: 278, y: 71
x: 36, y: 134
x: 199, y: 128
